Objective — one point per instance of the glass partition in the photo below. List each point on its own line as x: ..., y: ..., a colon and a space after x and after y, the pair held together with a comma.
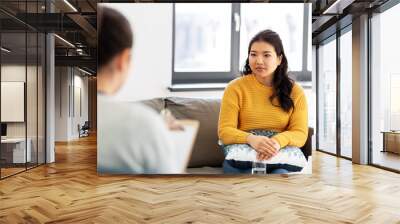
x: 31, y: 100
x: 14, y: 152
x: 22, y: 90
x: 41, y: 109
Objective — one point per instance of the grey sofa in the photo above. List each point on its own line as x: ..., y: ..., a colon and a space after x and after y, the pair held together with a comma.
x: 206, y: 152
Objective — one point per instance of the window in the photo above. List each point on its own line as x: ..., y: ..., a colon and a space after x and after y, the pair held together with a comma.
x: 211, y: 40
x: 385, y: 88
x: 327, y: 96
x: 346, y: 93
x: 256, y: 17
x: 202, y: 44
x: 335, y: 94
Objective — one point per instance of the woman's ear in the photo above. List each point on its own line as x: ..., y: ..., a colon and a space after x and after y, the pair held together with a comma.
x: 126, y: 54
x: 126, y: 58
x: 122, y: 60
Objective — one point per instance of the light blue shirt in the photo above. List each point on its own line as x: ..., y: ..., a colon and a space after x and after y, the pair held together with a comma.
x: 132, y: 139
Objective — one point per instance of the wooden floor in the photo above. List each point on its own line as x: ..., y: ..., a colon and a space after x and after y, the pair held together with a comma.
x: 10, y: 171
x: 70, y: 191
x: 387, y: 159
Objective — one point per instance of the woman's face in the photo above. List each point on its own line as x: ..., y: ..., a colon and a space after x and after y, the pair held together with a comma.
x: 263, y: 59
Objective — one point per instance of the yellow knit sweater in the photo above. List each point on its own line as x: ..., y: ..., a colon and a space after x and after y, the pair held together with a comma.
x: 246, y: 106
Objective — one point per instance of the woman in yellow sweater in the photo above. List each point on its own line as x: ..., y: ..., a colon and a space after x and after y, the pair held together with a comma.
x: 264, y: 108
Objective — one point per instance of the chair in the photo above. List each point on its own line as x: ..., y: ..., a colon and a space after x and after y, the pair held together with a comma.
x: 84, y: 130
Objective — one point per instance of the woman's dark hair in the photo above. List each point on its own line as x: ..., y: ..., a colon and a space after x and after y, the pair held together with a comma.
x: 281, y: 82
x: 114, y: 35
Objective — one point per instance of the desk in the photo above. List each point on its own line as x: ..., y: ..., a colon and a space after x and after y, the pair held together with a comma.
x: 391, y: 141
x: 184, y: 141
x: 13, y: 150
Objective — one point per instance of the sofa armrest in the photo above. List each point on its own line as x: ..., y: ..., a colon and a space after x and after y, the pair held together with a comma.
x: 307, y: 148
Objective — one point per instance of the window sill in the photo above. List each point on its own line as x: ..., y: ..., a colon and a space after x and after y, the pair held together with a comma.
x: 197, y: 87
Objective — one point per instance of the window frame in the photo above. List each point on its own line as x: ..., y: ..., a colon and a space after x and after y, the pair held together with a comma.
x: 333, y: 37
x: 224, y: 77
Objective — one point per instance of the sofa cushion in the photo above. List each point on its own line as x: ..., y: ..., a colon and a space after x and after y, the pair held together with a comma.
x: 156, y: 104
x: 243, y: 156
x: 206, y: 151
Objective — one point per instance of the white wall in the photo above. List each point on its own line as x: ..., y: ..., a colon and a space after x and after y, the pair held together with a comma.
x: 13, y: 76
x: 14, y: 73
x: 67, y: 84
x: 81, y: 83
x: 33, y: 126
x: 151, y: 71
x: 61, y: 103
x: 17, y: 73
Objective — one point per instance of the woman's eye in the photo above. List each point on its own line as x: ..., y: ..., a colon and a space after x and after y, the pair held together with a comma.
x: 252, y: 55
x: 267, y: 55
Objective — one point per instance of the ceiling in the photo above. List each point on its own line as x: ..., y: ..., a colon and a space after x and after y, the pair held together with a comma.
x: 330, y: 15
x: 73, y: 21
